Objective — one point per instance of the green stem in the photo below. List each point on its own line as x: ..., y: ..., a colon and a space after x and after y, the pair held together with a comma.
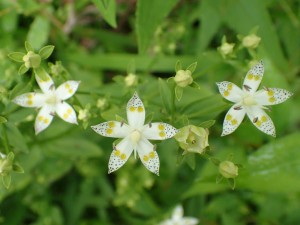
x: 5, y: 139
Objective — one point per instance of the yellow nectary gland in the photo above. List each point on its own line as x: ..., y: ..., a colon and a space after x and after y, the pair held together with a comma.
x: 135, y: 137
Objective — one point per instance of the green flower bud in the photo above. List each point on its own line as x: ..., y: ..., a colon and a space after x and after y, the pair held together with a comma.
x: 32, y: 60
x: 228, y: 169
x: 192, y: 139
x: 131, y: 80
x: 183, y: 78
x: 251, y: 41
x: 226, y: 49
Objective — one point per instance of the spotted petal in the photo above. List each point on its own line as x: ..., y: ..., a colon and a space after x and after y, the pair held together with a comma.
x: 253, y: 78
x: 230, y: 91
x: 47, y: 84
x: 120, y: 155
x: 135, y: 111
x: 112, y: 129
x: 67, y: 89
x: 43, y: 119
x: 261, y: 120
x: 271, y: 96
x: 148, y: 155
x: 66, y: 112
x: 233, y: 119
x: 31, y: 99
x: 158, y: 131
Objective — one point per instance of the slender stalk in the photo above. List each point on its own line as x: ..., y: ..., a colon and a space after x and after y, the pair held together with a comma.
x: 5, y: 139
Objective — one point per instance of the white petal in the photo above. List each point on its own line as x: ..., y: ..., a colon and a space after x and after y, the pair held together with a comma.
x: 177, y: 213
x: 135, y: 112
x: 43, y: 119
x: 190, y: 221
x: 230, y: 91
x: 261, y: 120
x: 31, y: 99
x: 46, y: 84
x: 166, y: 222
x: 158, y: 131
x: 67, y: 89
x: 66, y: 112
x: 148, y: 155
x: 253, y: 78
x: 233, y: 119
x: 112, y: 129
x: 271, y: 96
x: 120, y: 155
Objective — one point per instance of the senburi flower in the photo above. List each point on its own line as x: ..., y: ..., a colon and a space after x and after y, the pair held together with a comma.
x: 51, y: 101
x: 178, y: 219
x: 251, y: 102
x: 135, y: 137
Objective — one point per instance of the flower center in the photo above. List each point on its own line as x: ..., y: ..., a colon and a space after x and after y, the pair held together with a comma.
x: 248, y: 100
x: 135, y: 136
x: 52, y: 99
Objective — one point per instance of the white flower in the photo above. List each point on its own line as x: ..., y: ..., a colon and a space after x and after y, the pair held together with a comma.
x: 135, y: 137
x: 51, y: 101
x: 251, y: 102
x: 178, y: 219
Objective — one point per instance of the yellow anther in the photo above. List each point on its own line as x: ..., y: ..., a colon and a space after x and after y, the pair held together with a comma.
x: 226, y: 93
x: 234, y: 122
x: 29, y: 102
x: 140, y: 109
x: 250, y: 76
x: 123, y: 156
x: 258, y: 123
x: 270, y: 93
x: 228, y: 117
x: 264, y: 119
x: 132, y: 108
x: 41, y: 118
x: 66, y: 115
x: 117, y: 153
x: 69, y: 111
x: 162, y: 134
x: 272, y: 99
x: 229, y: 87
x: 152, y: 154
x: 257, y: 77
x: 46, y: 120
x: 111, y: 124
x: 161, y: 126
x: 145, y: 158
x: 109, y: 131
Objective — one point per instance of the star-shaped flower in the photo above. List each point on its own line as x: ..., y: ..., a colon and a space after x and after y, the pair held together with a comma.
x: 51, y: 101
x: 178, y: 219
x: 251, y: 102
x: 135, y: 136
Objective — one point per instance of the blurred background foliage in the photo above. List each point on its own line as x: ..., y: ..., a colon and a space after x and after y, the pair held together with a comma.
x: 101, y: 42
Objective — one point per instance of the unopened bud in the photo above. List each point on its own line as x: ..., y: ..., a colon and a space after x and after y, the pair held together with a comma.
x: 226, y: 49
x: 183, y: 78
x: 32, y: 60
x: 251, y: 41
x: 228, y: 169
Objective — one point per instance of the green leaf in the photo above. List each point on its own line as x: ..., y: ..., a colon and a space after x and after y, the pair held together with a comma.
x: 178, y: 92
x: 6, y: 180
x: 28, y: 47
x: 166, y: 94
x: 15, y: 137
x: 3, y: 119
x: 192, y: 67
x: 150, y: 15
x: 16, y: 56
x: 275, y: 167
x: 108, y: 11
x: 46, y: 51
x: 39, y: 32
x: 23, y: 69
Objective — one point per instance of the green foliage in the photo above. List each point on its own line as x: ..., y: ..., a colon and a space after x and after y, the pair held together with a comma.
x: 116, y: 48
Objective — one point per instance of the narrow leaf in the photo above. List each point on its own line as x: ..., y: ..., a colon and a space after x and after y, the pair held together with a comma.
x: 46, y: 51
x: 17, y: 168
x: 39, y: 32
x: 23, y: 69
x: 192, y: 67
x: 16, y: 56
x: 166, y: 94
x: 108, y: 10
x: 207, y: 124
x: 28, y: 46
x: 6, y: 179
x: 3, y: 119
x: 178, y: 66
x: 178, y: 92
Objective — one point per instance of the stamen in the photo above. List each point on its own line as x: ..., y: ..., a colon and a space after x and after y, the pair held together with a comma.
x: 193, y: 141
x: 255, y: 119
x: 150, y: 125
x: 247, y: 88
x: 238, y: 107
x: 122, y: 123
x: 265, y: 88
